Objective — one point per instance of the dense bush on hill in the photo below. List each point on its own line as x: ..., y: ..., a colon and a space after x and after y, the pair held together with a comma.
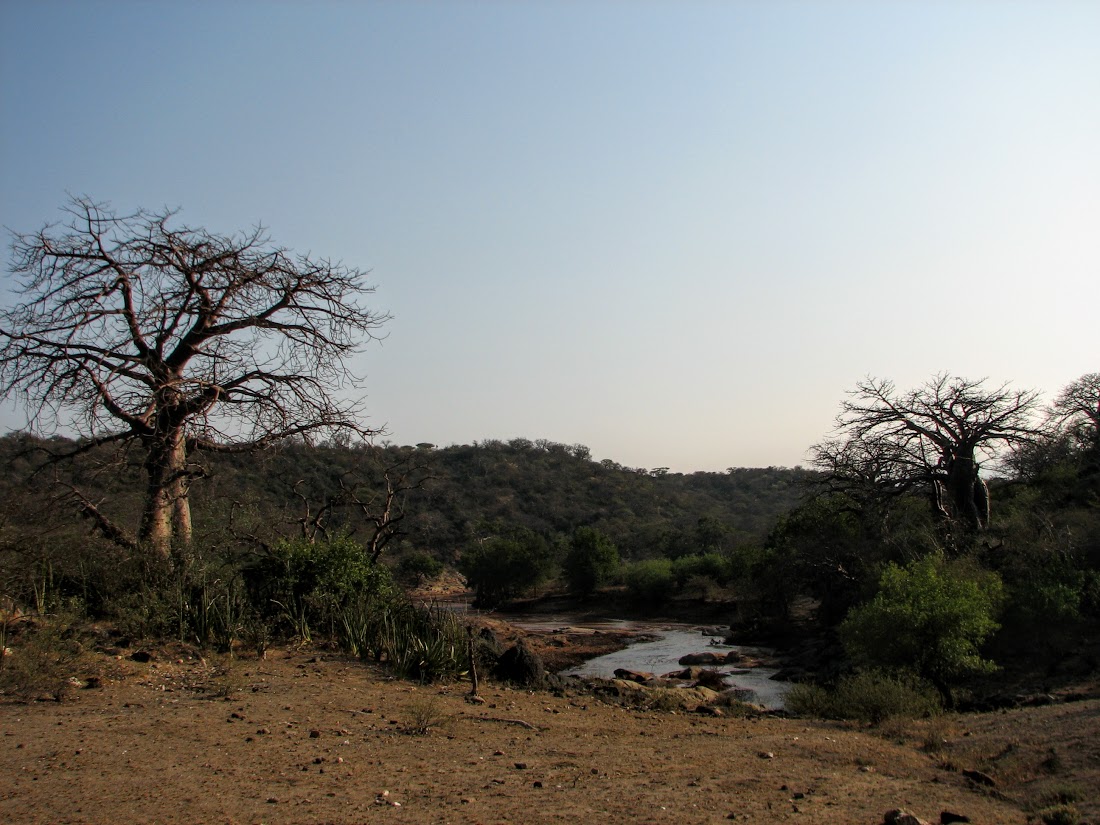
x: 444, y: 496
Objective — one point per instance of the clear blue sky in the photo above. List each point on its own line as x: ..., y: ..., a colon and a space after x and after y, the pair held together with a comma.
x: 676, y: 232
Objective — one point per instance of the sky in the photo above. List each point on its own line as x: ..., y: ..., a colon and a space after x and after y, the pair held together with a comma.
x: 675, y: 232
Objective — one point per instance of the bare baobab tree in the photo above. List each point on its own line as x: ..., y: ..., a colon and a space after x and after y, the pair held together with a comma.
x: 1077, y: 412
x: 132, y: 330
x: 932, y: 438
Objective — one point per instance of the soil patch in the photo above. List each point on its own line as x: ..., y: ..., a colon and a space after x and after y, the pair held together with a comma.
x: 310, y: 737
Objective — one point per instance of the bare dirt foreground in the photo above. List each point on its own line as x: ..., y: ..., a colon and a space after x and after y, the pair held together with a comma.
x: 312, y: 737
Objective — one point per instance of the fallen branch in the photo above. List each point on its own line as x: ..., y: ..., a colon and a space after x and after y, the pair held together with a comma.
x: 520, y: 722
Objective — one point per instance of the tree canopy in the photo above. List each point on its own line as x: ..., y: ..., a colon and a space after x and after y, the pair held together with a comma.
x: 932, y: 438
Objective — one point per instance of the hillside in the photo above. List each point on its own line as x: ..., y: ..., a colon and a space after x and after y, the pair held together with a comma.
x: 452, y: 491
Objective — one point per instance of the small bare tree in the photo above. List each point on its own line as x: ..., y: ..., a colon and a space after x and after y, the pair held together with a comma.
x: 378, y: 503
x: 180, y: 340
x: 930, y: 438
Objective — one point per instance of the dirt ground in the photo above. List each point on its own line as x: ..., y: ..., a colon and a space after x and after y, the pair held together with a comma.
x: 307, y: 736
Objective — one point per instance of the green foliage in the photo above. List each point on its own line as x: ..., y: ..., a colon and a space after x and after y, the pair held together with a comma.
x: 423, y: 643
x: 710, y: 566
x: 419, y: 567
x: 417, y: 641
x: 304, y: 585
x: 930, y: 617
x: 591, y: 562
x: 649, y: 582
x: 505, y: 565
x: 867, y: 696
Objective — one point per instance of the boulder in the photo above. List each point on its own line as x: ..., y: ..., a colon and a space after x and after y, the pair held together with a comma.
x: 639, y: 676
x: 688, y: 674
x: 899, y: 816
x: 702, y: 659
x: 520, y: 665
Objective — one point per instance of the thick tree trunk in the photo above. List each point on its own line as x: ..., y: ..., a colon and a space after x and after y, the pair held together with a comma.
x: 166, y: 520
x: 967, y: 493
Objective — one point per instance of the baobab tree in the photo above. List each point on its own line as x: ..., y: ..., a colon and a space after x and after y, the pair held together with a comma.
x: 932, y: 438
x: 1076, y: 411
x: 132, y: 330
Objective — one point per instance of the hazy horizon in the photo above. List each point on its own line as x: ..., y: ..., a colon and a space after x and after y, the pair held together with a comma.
x: 676, y: 233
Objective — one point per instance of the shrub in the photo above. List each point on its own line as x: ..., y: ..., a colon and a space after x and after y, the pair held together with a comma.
x: 591, y: 562
x: 929, y: 617
x: 424, y: 713
x: 416, y: 641
x: 419, y: 567
x: 650, y: 581
x: 306, y: 585
x: 41, y: 663
x: 867, y: 696
x: 1059, y: 815
x: 807, y: 699
x: 505, y: 565
x: 708, y: 566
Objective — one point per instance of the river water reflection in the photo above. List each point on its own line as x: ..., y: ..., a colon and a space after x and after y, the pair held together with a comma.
x: 659, y: 649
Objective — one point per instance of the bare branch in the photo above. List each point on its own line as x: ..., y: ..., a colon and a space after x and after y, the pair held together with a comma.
x: 181, y: 339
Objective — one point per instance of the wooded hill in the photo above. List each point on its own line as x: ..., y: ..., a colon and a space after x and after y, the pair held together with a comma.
x: 438, y: 499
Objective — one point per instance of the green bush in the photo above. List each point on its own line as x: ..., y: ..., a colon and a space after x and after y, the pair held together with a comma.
x: 650, y: 581
x: 304, y: 586
x: 504, y: 566
x: 419, y: 567
x: 591, y: 562
x: 710, y: 566
x: 810, y: 700
x: 929, y: 617
x: 867, y: 696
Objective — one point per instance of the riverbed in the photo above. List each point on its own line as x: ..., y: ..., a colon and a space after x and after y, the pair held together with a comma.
x: 659, y: 649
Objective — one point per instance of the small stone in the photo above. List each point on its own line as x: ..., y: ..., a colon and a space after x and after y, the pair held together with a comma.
x: 272, y: 800
x: 315, y: 734
x: 262, y: 731
x: 766, y: 755
x: 947, y: 817
x: 521, y: 766
x: 466, y: 800
x: 536, y: 784
x: 899, y: 816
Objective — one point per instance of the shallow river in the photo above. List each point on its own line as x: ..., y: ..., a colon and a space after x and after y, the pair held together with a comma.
x: 661, y: 654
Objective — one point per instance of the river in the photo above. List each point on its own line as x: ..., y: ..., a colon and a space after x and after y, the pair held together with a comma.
x: 659, y: 649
